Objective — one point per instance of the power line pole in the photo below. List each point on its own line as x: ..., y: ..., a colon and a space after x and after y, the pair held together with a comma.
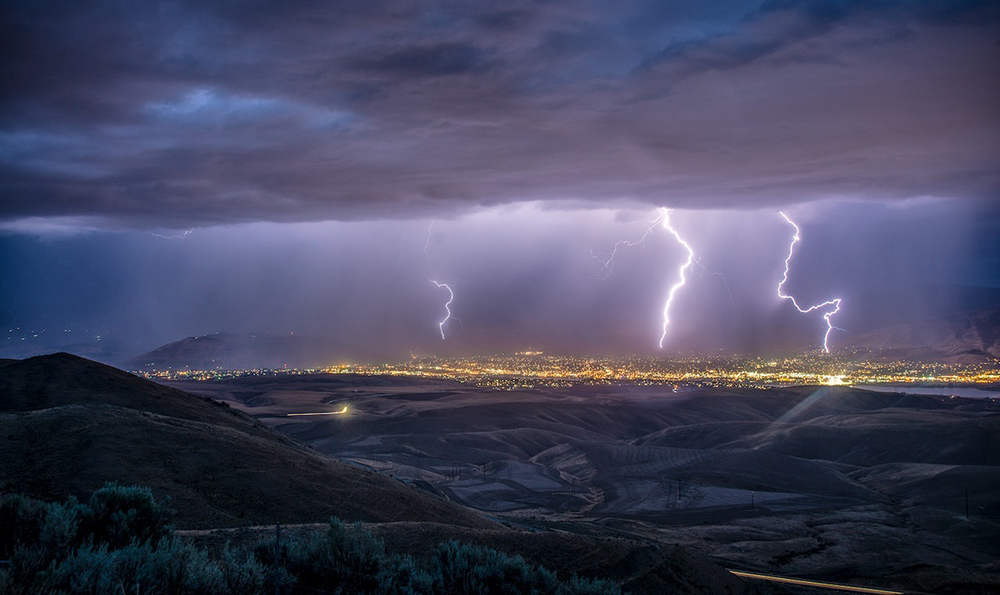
x: 277, y: 554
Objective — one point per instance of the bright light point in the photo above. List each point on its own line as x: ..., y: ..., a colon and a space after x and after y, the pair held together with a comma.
x: 665, y: 213
x: 447, y: 305
x: 784, y: 278
x: 341, y: 412
x: 834, y: 381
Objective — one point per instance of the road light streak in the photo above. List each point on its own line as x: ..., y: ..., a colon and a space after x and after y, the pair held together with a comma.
x: 809, y: 583
x: 341, y: 412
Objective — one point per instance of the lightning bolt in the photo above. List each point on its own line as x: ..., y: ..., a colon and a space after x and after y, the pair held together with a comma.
x: 447, y: 305
x: 835, y: 302
x: 665, y: 216
x: 607, y: 265
x: 451, y: 294
x: 707, y: 271
x: 176, y: 236
x: 427, y: 242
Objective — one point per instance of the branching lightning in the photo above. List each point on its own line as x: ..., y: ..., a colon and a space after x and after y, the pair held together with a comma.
x: 707, y: 271
x: 835, y: 302
x: 662, y: 218
x: 607, y: 265
x: 176, y: 236
x: 665, y: 215
x: 427, y: 242
x: 447, y: 305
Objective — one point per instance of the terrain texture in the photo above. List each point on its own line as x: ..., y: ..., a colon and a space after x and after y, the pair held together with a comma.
x: 68, y: 425
x: 829, y: 483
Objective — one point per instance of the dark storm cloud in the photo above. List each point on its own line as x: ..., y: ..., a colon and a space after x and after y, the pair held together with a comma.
x: 782, y: 23
x: 434, y: 60
x: 197, y: 113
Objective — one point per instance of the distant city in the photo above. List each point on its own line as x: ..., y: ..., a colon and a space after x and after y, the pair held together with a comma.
x: 535, y: 369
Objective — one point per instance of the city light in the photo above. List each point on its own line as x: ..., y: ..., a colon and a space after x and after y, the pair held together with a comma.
x: 534, y: 369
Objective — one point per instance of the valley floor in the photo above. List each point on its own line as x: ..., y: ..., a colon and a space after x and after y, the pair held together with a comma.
x: 829, y: 483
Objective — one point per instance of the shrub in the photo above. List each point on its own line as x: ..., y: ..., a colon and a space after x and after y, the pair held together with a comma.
x: 21, y: 520
x: 33, y: 535
x: 242, y: 572
x: 169, y: 566
x: 61, y: 528
x: 117, y: 515
x: 121, y: 541
x: 341, y: 557
x: 477, y: 569
x: 405, y: 577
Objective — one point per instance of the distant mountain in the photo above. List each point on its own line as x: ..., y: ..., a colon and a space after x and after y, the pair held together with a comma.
x: 230, y: 351
x: 890, y: 305
x: 233, y: 351
x: 958, y: 336
x: 68, y: 425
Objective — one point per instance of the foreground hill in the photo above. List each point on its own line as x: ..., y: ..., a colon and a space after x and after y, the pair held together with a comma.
x: 61, y: 379
x: 69, y: 425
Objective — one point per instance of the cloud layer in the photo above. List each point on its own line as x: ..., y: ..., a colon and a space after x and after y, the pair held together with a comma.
x: 194, y: 113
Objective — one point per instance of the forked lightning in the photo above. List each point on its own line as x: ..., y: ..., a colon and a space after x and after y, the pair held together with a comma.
x: 835, y: 302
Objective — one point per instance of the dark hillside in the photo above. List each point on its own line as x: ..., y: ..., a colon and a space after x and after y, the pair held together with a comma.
x: 68, y: 425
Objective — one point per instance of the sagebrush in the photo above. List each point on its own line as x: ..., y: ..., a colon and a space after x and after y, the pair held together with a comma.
x: 122, y: 541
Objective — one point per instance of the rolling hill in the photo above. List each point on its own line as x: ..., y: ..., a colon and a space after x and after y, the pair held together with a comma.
x: 69, y: 425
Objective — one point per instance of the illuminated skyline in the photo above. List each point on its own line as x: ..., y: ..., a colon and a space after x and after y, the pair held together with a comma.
x: 527, y: 370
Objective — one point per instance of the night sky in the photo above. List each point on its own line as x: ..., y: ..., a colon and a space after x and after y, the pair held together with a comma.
x: 172, y: 169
